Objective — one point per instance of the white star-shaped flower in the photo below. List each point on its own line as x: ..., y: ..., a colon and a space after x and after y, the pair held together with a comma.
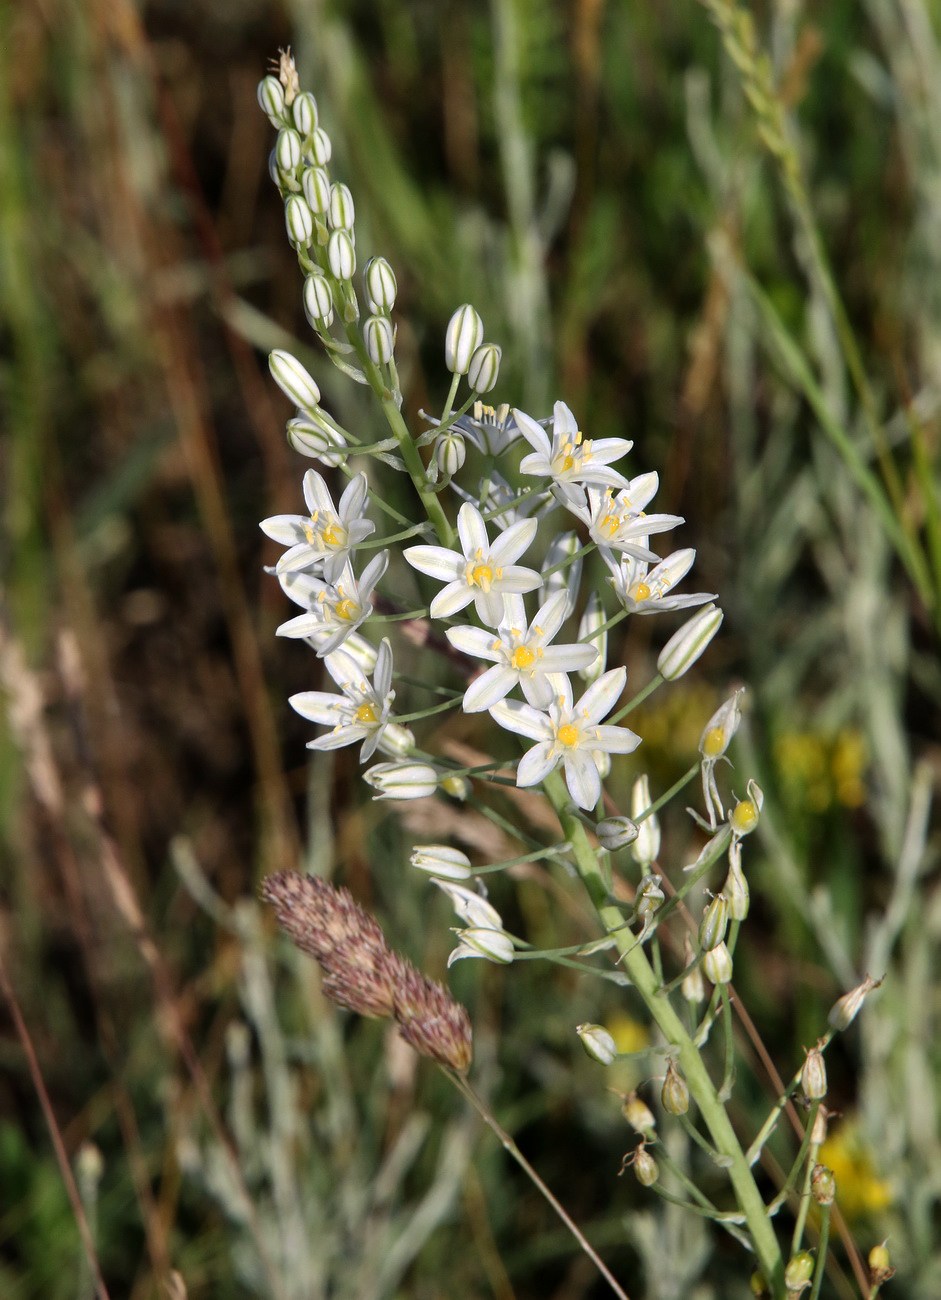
x: 483, y: 573
x: 617, y: 522
x: 642, y: 590
x: 521, y: 654
x: 569, y: 457
x: 333, y: 610
x: 570, y: 734
x: 363, y: 710
x: 328, y: 534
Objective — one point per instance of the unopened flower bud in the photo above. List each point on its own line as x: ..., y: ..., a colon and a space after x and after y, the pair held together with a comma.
x: 646, y: 1169
x: 440, y: 860
x: 315, y: 440
x: 320, y: 147
x: 318, y: 300
x: 844, y: 1012
x: 799, y: 1272
x: 714, y: 923
x: 646, y: 848
x: 299, y: 221
x: 469, y: 905
x: 674, y: 1094
x: 616, y: 833
x: 818, y: 1134
x: 271, y: 99
x: 402, y: 780
x: 717, y: 964
x: 287, y: 151
x: 484, y: 369
x: 293, y: 380
x: 693, y: 986
x: 379, y: 338
x: 341, y: 254
x: 304, y: 112
x: 481, y: 941
x: 458, y: 787
x: 397, y: 741
x: 823, y: 1185
x: 380, y: 285
x: 685, y: 646
x: 638, y: 1114
x: 735, y: 889
x: 450, y: 452
x: 598, y: 1043
x: 746, y: 812
x: 568, y: 577
x: 814, y: 1076
x: 342, y: 212
x: 880, y: 1267
x: 464, y: 335
x: 593, y: 618
x: 316, y: 186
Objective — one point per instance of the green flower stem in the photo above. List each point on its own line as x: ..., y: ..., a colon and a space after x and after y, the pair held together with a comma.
x: 416, y: 470
x: 641, y: 695
x: 427, y: 713
x: 821, y: 1265
x: 491, y: 814
x: 554, y: 852
x: 809, y: 1148
x: 700, y: 1085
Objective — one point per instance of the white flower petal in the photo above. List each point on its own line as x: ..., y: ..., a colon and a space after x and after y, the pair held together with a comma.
x: 523, y: 719
x: 602, y: 695
x: 317, y: 706
x: 614, y: 740
x: 286, y: 529
x: 450, y: 599
x: 581, y: 777
x: 436, y: 561
x: 475, y: 641
x: 510, y: 545
x: 534, y: 433
x: 489, y: 688
x: 472, y: 531
x: 536, y: 764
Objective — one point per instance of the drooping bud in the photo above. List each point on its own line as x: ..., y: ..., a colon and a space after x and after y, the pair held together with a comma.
x: 721, y: 727
x: 316, y: 186
x: 844, y: 1012
x: 646, y: 848
x: 299, y: 221
x: 314, y: 439
x: 469, y: 905
x: 616, y: 833
x: 693, y: 986
x: 287, y: 151
x: 440, y: 860
x: 598, y: 1043
x: 481, y: 941
x: 379, y: 338
x: 402, y: 780
x: 464, y: 335
x: 880, y: 1268
x: 823, y: 1185
x: 304, y: 112
x: 638, y: 1114
x: 649, y: 897
x: 593, y: 618
x: 814, y: 1076
x: 293, y: 380
x: 799, y: 1272
x: 341, y: 254
x: 450, y: 452
x: 674, y: 1094
x: 484, y: 369
x: 685, y: 646
x: 458, y: 787
x: 735, y: 889
x: 717, y: 965
x: 342, y: 213
x: 380, y: 285
x: 746, y: 813
x: 271, y: 99
x: 318, y: 300
x: 714, y: 923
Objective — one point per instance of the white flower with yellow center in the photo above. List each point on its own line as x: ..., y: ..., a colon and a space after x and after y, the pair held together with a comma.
x: 362, y: 712
x: 570, y: 734
x: 328, y: 534
x: 334, y: 611
x: 617, y: 522
x: 521, y: 654
x: 642, y: 590
x: 484, y: 573
x: 569, y: 457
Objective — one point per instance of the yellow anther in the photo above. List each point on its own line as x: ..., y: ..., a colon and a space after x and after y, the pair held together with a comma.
x: 713, y: 742
x: 333, y: 535
x: 346, y: 609
x: 610, y: 524
x: 309, y: 534
x: 365, y: 713
x: 568, y: 735
x: 523, y: 657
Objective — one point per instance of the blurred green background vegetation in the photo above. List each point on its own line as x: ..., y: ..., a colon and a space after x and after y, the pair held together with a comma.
x: 596, y: 180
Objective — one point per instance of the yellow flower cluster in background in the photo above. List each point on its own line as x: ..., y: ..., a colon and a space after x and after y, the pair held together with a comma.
x: 859, y: 1191
x: 821, y: 770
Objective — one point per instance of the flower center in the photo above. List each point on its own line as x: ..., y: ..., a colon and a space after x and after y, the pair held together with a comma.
x: 568, y: 735
x: 346, y: 609
x: 481, y: 575
x: 365, y: 713
x: 610, y: 524
x: 640, y: 591
x: 713, y: 742
x: 334, y: 534
x: 744, y: 817
x: 523, y: 657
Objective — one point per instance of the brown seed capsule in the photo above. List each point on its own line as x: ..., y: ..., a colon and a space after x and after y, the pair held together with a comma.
x: 823, y: 1185
x: 674, y: 1094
